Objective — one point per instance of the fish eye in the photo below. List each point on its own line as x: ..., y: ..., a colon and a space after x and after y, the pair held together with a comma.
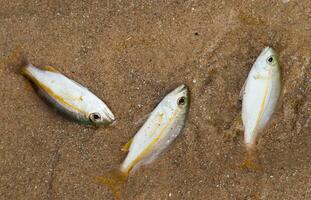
x: 270, y: 60
x: 181, y: 101
x: 95, y: 117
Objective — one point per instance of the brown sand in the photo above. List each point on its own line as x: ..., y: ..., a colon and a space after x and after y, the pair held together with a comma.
x: 131, y: 53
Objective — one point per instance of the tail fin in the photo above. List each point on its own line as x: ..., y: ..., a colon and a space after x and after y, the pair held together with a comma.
x: 16, y: 61
x: 13, y: 59
x: 115, y: 180
x: 24, y: 64
x: 249, y: 160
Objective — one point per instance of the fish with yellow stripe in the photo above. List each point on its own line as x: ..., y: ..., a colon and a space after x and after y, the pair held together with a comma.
x: 161, y: 128
x: 260, y: 95
x: 68, y: 96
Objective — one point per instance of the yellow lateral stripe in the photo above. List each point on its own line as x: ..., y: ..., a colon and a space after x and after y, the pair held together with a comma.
x: 262, y: 106
x: 50, y: 92
x: 127, y: 146
x: 149, y: 147
x: 159, y: 122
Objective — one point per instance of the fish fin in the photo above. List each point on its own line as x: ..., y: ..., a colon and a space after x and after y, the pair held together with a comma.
x: 249, y: 164
x: 49, y: 68
x: 238, y: 124
x: 126, y: 147
x: 16, y: 60
x: 249, y: 161
x: 242, y: 92
x: 115, y: 180
x: 24, y: 65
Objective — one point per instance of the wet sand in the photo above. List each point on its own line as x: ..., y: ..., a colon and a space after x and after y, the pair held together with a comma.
x: 130, y: 54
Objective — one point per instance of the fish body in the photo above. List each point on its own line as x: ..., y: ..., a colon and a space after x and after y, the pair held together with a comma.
x: 161, y: 128
x: 68, y: 96
x: 260, y: 95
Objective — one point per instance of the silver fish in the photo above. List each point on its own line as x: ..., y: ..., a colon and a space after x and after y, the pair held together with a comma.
x: 261, y: 94
x: 68, y: 96
x: 161, y: 128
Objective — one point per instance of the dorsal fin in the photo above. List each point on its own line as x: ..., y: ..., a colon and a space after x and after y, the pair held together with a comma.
x: 49, y: 68
x: 126, y: 147
x: 242, y: 92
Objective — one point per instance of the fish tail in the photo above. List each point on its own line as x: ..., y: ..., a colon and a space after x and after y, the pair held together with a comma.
x: 115, y: 180
x: 13, y: 59
x: 24, y: 64
x: 18, y: 61
x: 249, y: 159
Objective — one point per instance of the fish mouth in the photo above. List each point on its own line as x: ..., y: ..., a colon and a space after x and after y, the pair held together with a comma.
x: 267, y: 50
x: 109, y: 117
x: 181, y: 88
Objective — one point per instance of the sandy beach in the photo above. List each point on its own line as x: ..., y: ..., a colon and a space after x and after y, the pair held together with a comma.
x: 131, y: 54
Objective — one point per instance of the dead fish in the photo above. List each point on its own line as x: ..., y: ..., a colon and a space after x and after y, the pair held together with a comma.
x: 161, y: 128
x: 260, y: 95
x: 68, y: 96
